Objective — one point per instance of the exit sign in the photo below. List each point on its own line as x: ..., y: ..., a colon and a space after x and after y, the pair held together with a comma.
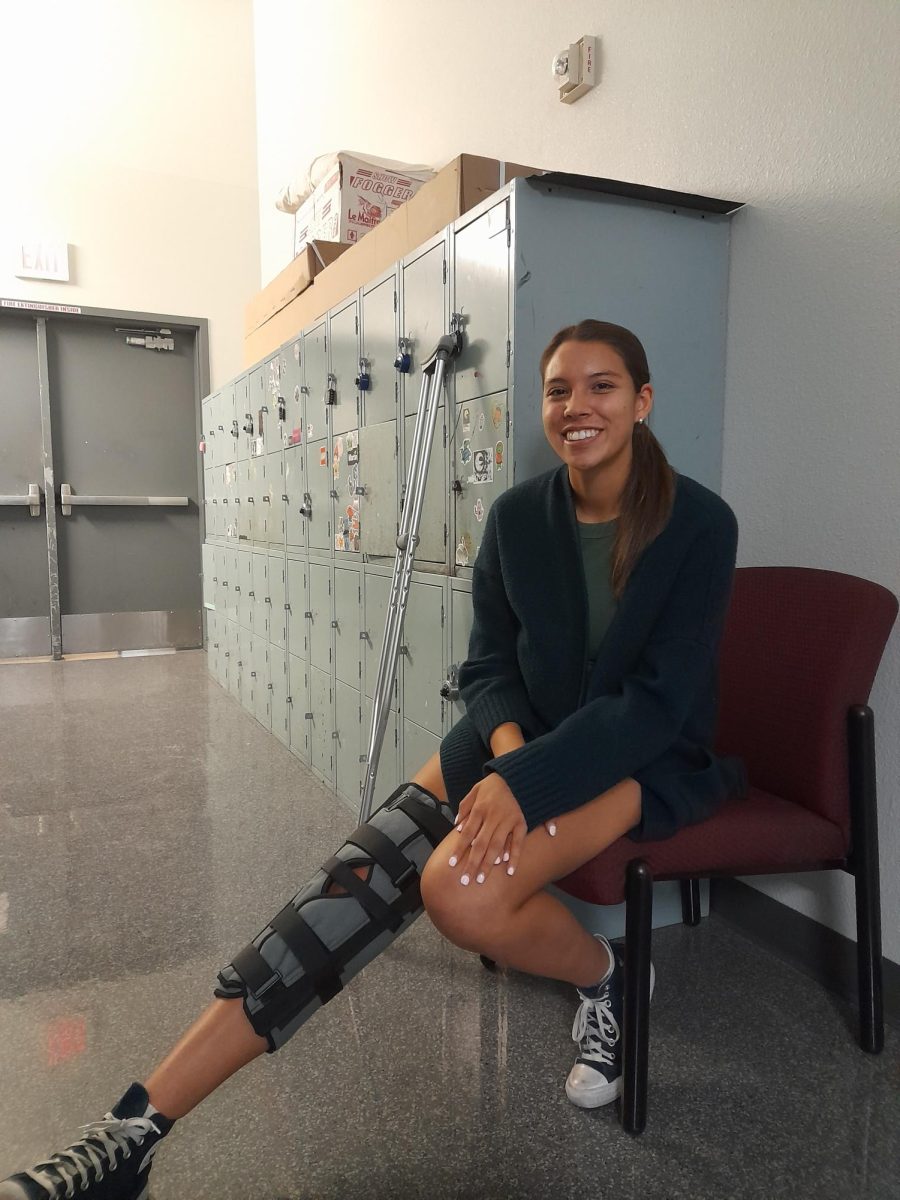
x: 41, y: 259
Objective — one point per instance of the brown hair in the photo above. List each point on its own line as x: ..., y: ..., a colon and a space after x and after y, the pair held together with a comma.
x: 649, y: 493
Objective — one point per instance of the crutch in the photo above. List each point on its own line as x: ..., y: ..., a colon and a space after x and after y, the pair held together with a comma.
x: 433, y: 374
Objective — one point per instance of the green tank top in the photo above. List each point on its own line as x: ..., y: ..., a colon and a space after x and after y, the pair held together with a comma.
x: 596, y: 555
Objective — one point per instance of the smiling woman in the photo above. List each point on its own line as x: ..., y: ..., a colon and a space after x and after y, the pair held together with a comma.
x: 599, y: 596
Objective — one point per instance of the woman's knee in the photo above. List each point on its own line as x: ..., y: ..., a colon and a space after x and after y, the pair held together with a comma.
x: 466, y: 916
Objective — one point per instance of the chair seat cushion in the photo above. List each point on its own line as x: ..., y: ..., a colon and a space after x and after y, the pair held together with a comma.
x: 744, y: 837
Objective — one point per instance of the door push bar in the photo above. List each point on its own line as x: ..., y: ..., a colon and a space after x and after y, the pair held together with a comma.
x: 32, y: 500
x: 433, y: 374
x: 66, y: 500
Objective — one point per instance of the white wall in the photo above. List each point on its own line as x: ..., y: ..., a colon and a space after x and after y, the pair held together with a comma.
x: 788, y: 107
x: 128, y: 130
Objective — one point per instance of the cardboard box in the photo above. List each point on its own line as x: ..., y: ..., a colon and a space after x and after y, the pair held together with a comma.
x: 354, y: 197
x: 458, y: 187
x: 289, y: 283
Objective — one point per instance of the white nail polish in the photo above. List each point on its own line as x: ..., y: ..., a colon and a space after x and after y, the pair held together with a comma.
x: 464, y: 881
x: 510, y: 870
x: 551, y: 829
x: 453, y: 861
x: 506, y: 856
x: 459, y: 827
x: 497, y: 861
x: 480, y: 878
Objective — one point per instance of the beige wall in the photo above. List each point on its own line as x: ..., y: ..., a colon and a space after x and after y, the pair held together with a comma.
x: 789, y: 107
x: 128, y: 130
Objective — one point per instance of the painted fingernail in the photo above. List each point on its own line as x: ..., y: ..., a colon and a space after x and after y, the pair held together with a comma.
x: 506, y: 856
x: 480, y: 878
x: 459, y: 827
x: 510, y: 870
x: 453, y: 860
x: 464, y: 881
x: 551, y: 829
x: 498, y: 861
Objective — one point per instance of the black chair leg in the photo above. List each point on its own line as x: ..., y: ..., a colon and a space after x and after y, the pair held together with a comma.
x: 635, y: 1035
x: 690, y: 901
x: 864, y: 859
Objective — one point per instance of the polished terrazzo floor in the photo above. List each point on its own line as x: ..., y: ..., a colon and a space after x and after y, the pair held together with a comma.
x: 148, y: 827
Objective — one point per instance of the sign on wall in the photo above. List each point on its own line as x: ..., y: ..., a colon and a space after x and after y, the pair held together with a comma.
x: 41, y: 259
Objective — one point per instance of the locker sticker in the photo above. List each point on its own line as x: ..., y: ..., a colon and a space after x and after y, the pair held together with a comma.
x: 479, y: 510
x: 465, y: 452
x: 309, y: 431
x: 497, y: 415
x: 353, y: 456
x: 297, y: 353
x: 466, y: 420
x: 483, y: 466
x: 323, y: 456
x: 481, y: 422
x: 464, y: 550
x: 498, y: 456
x: 295, y: 436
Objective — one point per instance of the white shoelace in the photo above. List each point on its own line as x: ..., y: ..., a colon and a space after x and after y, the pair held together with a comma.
x: 596, y: 1029
x: 95, y: 1150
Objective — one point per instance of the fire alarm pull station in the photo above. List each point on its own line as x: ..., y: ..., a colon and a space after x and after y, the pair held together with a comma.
x: 575, y: 69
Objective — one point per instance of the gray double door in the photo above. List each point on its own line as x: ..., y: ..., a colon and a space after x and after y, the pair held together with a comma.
x: 100, y: 527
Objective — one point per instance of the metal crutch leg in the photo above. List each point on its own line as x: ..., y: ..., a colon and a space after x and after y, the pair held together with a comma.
x: 433, y: 374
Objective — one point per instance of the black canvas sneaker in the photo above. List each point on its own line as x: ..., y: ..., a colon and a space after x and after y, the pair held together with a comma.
x: 111, y: 1161
x: 596, y: 1077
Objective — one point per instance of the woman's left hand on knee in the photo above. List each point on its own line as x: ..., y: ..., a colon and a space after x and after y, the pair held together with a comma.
x: 489, y: 823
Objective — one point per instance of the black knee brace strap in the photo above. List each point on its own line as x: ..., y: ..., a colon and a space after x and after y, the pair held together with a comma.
x: 319, y: 940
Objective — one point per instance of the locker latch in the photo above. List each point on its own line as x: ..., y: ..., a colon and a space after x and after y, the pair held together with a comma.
x: 235, y: 428
x: 306, y: 507
x: 248, y: 423
x: 363, y: 379
x: 331, y: 390
x: 403, y: 361
x: 449, y: 689
x: 282, y: 409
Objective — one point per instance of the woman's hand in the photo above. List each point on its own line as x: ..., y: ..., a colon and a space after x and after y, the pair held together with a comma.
x: 490, y: 829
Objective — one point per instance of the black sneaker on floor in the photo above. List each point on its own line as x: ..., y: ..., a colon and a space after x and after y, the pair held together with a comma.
x: 596, y: 1077
x: 111, y: 1161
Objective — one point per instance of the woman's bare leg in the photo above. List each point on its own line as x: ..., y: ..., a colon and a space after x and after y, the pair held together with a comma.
x: 222, y: 1040
x: 513, y: 919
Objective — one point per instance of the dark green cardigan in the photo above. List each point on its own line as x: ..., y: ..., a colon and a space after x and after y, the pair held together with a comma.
x: 648, y: 708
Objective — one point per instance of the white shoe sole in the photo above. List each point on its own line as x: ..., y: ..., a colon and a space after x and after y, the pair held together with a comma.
x: 603, y: 1093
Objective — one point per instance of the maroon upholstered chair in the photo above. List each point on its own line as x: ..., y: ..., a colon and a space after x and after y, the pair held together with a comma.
x: 798, y: 658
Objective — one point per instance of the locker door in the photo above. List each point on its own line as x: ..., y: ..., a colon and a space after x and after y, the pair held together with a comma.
x: 294, y: 489
x: 298, y: 706
x: 258, y: 411
x: 433, y: 525
x: 425, y: 317
x: 321, y: 749
x: 218, y: 579
x: 275, y: 504
x: 277, y: 601
x: 230, y: 426
x: 418, y: 746
x: 378, y: 479
x: 256, y: 483
x: 208, y: 569
x: 273, y: 425
x: 347, y: 767
x: 233, y: 560
x: 292, y: 390
x: 278, y: 693
x: 479, y: 470
x: 345, y: 470
x: 460, y: 631
x: 298, y: 606
x: 245, y: 594
x: 376, y: 592
x: 243, y: 416
x: 316, y: 372
x: 234, y: 659
x: 259, y: 673
x: 379, y: 349
x: 347, y: 618
x: 259, y: 621
x: 245, y: 666
x: 319, y: 483
x: 423, y: 658
x: 387, y: 778
x: 212, y: 643
x: 242, y: 500
x: 228, y: 501
x: 320, y: 622
x: 344, y: 346
x: 481, y: 281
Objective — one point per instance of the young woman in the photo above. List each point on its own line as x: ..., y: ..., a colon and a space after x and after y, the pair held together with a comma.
x: 599, y: 595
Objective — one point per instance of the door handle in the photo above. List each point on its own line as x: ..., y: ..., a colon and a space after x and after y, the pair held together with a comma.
x: 67, y: 500
x: 32, y: 500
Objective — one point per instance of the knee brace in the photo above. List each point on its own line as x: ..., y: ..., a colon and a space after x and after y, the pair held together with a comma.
x: 319, y: 941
